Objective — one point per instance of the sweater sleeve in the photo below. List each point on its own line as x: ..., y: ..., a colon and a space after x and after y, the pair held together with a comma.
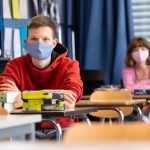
x: 72, y: 79
x: 10, y: 73
x: 129, y: 80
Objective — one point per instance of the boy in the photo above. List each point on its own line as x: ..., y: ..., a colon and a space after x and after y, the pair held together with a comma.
x: 46, y: 66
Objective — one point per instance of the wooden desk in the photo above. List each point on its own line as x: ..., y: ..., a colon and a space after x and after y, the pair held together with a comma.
x: 85, y: 97
x: 68, y: 112
x: 51, y: 115
x: 147, y: 97
x: 114, y: 104
x: 99, y: 103
x: 107, y: 145
x: 14, y: 125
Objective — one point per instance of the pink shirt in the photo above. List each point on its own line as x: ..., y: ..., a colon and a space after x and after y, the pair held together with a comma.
x: 129, y: 80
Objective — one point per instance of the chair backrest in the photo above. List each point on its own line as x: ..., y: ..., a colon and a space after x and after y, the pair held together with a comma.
x: 3, y: 62
x: 111, y: 95
x: 82, y: 133
x: 91, y: 79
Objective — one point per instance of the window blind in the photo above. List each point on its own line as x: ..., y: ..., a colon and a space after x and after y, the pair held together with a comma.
x: 141, y: 18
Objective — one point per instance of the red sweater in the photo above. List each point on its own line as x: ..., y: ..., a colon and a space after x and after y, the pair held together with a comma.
x: 62, y: 73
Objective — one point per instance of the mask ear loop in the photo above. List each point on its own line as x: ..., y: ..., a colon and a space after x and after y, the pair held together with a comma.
x: 131, y: 62
x: 25, y: 50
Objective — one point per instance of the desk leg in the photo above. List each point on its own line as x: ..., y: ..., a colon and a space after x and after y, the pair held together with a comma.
x: 120, y: 113
x: 138, y: 110
x: 31, y: 136
x: 118, y: 110
x: 58, y: 129
x: 19, y: 132
x: 85, y: 118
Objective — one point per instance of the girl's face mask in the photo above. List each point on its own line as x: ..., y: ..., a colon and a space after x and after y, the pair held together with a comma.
x: 40, y: 50
x: 140, y: 55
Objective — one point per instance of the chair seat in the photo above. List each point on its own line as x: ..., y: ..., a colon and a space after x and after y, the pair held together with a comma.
x: 111, y: 95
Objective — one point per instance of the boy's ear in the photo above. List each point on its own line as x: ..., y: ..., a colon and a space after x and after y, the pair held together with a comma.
x: 25, y: 41
x: 55, y: 41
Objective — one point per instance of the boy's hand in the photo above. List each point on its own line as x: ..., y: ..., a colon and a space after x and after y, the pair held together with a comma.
x: 70, y: 98
x: 9, y: 86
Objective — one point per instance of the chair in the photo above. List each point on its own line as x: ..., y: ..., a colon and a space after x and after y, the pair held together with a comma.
x: 3, y: 62
x: 111, y: 95
x: 91, y: 79
x: 81, y: 133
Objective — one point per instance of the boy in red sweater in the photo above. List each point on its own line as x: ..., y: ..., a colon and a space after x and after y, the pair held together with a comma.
x: 45, y: 66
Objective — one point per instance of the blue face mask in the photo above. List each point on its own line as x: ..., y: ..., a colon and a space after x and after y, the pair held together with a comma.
x: 40, y: 50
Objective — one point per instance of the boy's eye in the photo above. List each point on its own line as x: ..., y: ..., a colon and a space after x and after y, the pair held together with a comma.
x: 46, y: 39
x: 33, y: 39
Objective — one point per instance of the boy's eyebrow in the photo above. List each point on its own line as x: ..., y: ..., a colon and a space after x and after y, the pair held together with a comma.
x: 33, y: 37
x: 38, y: 38
x: 46, y: 37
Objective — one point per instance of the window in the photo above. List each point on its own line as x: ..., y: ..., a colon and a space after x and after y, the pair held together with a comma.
x: 141, y: 18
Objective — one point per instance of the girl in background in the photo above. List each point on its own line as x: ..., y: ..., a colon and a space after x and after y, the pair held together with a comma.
x: 136, y: 74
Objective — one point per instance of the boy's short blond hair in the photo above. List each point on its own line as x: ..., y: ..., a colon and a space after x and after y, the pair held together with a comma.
x: 41, y: 21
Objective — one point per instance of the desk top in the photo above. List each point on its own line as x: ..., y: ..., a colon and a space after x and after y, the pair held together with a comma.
x: 67, y: 112
x: 101, y: 103
x: 85, y: 97
x: 15, y: 120
x: 147, y: 97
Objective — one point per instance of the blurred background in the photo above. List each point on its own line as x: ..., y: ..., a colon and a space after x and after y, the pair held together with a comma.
x: 96, y: 32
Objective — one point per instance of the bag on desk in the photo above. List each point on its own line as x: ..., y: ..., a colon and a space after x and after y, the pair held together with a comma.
x: 142, y: 92
x: 43, y: 100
